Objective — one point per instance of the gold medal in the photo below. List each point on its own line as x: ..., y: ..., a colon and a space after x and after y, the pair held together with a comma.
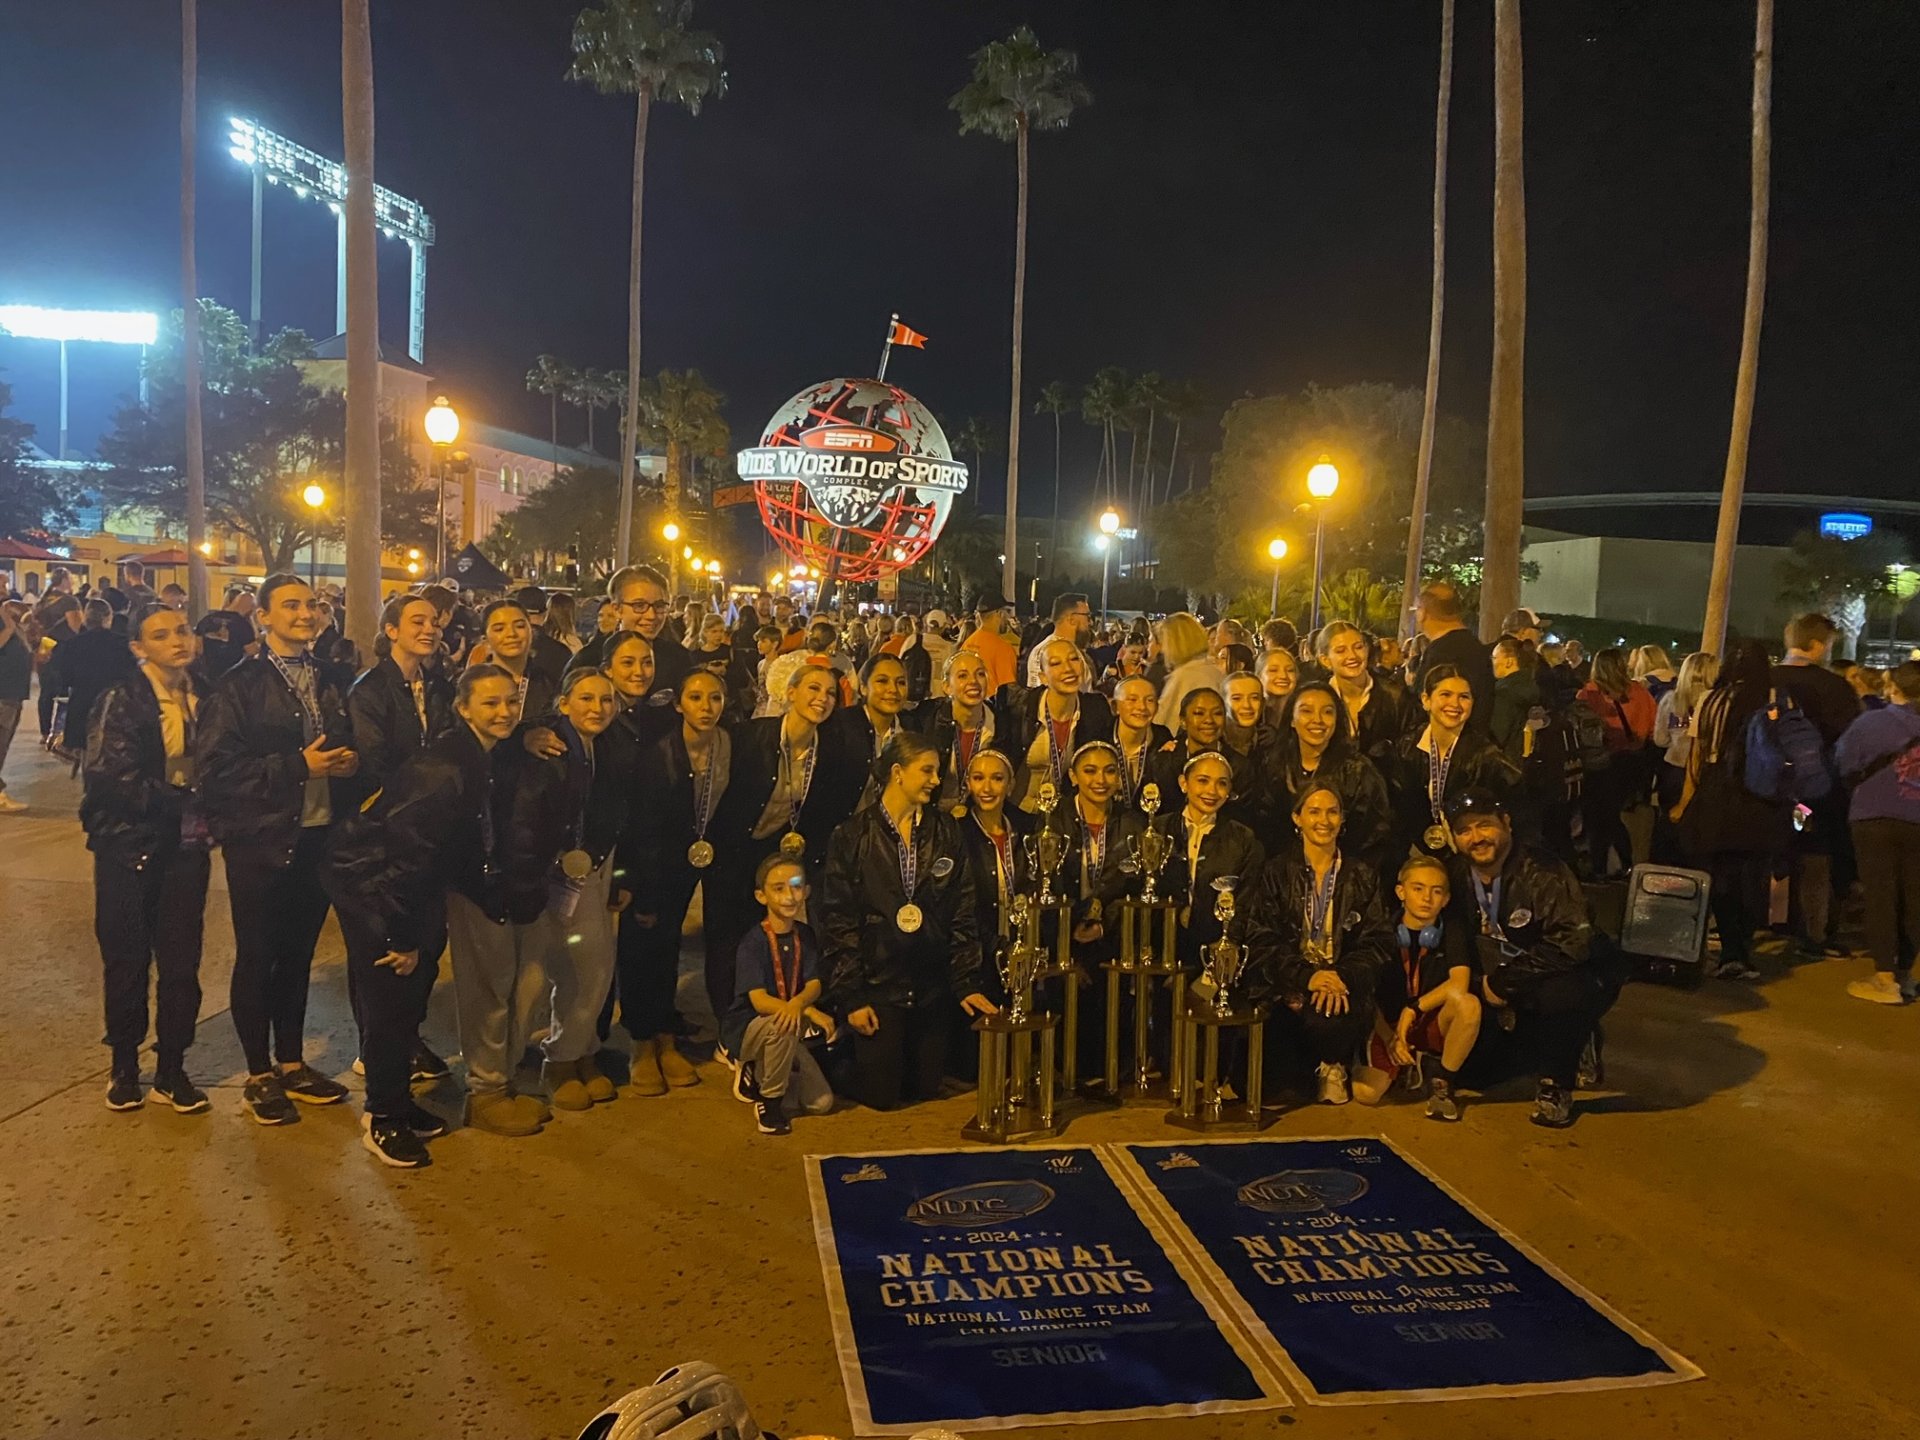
x: 908, y: 918
x: 959, y: 811
x: 576, y: 864
x: 793, y: 844
x: 700, y: 854
x: 1436, y: 837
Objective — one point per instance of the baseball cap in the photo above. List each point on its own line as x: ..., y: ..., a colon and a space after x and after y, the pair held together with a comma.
x: 937, y: 617
x: 991, y: 601
x: 1474, y: 802
x: 1522, y: 619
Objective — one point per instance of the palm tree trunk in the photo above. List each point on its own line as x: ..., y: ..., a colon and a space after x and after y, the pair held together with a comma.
x: 592, y: 410
x: 363, y: 332
x: 1506, y: 447
x: 1423, y: 470
x: 1146, y: 469
x: 629, y: 429
x: 1010, y: 567
x: 1179, y: 422
x: 197, y: 595
x: 1734, y: 483
x: 553, y: 433
x: 1053, y: 551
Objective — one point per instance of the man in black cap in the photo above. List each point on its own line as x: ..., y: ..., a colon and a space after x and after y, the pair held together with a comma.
x: 1546, y: 977
x: 548, y: 655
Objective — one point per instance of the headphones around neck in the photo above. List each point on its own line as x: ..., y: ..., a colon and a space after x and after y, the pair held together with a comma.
x: 1428, y: 937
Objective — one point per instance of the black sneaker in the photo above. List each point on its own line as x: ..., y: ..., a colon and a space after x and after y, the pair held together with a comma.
x: 423, y: 1122
x: 1441, y: 1104
x: 1504, y: 1017
x: 267, y: 1103
x: 181, y: 1093
x: 1552, y: 1106
x: 124, y: 1092
x: 428, y: 1068
x: 1592, y: 1072
x: 310, y: 1087
x: 392, y: 1143
x: 746, y: 1083
x: 771, y: 1118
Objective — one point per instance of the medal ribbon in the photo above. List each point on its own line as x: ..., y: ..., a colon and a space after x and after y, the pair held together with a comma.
x: 788, y: 988
x: 1437, y: 767
x: 1059, y: 737
x: 1094, y: 851
x: 805, y: 777
x: 909, y: 861
x: 1002, y: 866
x: 1320, y: 906
x: 309, y: 699
x: 703, y: 792
x: 419, y: 688
x: 1131, y: 773
x: 1489, y: 902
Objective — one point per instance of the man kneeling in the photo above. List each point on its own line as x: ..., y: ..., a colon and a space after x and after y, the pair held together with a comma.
x: 1542, y: 969
x: 1431, y: 1010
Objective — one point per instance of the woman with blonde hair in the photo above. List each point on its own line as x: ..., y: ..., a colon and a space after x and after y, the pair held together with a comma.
x: 1183, y: 646
x: 563, y: 622
x: 1650, y: 666
x: 1673, y: 738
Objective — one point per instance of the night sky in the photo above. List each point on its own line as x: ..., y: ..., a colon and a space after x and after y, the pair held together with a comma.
x: 1246, y: 204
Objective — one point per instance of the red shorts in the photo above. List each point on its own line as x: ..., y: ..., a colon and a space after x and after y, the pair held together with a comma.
x: 1423, y: 1038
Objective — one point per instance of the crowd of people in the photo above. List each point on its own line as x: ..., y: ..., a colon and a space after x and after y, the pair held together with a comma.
x: 535, y: 796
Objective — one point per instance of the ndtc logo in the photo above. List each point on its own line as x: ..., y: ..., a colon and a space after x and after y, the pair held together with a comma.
x: 986, y: 1203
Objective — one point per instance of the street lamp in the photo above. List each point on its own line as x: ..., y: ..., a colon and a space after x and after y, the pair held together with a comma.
x: 670, y: 532
x: 1276, y: 552
x: 1322, y: 480
x: 443, y: 428
x: 315, y: 497
x: 1109, y: 527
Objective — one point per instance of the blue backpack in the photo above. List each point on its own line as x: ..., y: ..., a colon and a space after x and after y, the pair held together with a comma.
x: 1785, y: 758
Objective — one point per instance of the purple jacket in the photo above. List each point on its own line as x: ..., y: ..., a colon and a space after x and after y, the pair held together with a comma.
x: 1892, y: 792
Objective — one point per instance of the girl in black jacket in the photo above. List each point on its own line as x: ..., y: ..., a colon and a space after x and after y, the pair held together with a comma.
x: 1443, y: 759
x: 897, y: 930
x: 1318, y: 936
x: 432, y: 842
x: 1378, y: 707
x: 402, y: 703
x: 150, y: 858
x: 1314, y: 743
x: 1209, y: 846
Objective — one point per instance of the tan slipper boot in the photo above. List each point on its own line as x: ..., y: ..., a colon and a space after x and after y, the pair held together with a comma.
x: 498, y: 1113
x: 646, y: 1078
x: 673, y: 1065
x: 599, y: 1087
x: 564, y: 1085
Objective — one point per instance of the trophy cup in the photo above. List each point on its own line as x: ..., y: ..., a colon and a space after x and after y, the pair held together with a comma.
x: 1149, y: 953
x: 1015, y: 1099
x: 1200, y: 1099
x: 1047, y: 847
x: 1152, y: 849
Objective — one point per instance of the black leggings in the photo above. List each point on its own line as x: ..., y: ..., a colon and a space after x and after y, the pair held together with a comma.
x: 1889, y: 860
x: 151, y: 919
x: 1739, y: 899
x: 277, y: 915
x: 647, y: 958
x: 1604, y: 794
x: 389, y: 1011
x: 1555, y: 1016
x: 905, y: 1059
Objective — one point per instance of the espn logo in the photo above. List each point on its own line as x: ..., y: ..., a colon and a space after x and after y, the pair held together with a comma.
x: 847, y: 437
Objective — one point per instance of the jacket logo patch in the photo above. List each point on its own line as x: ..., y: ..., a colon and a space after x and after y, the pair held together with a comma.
x: 942, y: 867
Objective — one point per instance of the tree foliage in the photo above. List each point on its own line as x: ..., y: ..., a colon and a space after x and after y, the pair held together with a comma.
x: 30, y: 498
x: 268, y: 434
x: 1841, y: 577
x: 1215, y: 540
x: 1017, y: 84
x: 633, y: 47
x: 577, y: 512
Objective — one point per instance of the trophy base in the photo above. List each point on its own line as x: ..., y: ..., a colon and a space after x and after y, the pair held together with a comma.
x: 1014, y: 1132
x: 1019, y: 1084
x: 1200, y: 1107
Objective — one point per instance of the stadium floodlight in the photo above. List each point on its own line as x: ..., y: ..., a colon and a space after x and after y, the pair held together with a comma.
x: 99, y: 327
x: 277, y: 160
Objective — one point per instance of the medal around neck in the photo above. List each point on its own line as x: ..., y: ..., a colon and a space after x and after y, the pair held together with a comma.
x: 700, y: 854
x: 909, y: 918
x: 576, y: 864
x: 793, y: 845
x: 1436, y: 838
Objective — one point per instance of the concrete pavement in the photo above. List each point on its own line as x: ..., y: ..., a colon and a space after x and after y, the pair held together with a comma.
x: 1745, y: 1194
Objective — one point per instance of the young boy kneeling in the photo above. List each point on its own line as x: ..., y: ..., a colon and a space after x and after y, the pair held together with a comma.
x: 774, y: 1016
x: 1429, y: 1008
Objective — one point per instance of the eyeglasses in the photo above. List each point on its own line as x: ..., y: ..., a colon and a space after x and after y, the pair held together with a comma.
x: 645, y: 607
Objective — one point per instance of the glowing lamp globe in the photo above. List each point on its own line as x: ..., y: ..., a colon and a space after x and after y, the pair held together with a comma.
x: 442, y: 422
x: 854, y: 479
x: 1324, y: 478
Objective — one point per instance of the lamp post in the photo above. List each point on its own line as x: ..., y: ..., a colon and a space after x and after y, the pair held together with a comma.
x: 670, y: 532
x: 1322, y: 480
x: 1276, y: 551
x: 1109, y: 527
x: 443, y: 428
x: 315, y: 497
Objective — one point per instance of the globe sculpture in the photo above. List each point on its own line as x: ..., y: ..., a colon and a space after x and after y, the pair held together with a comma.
x: 853, y: 478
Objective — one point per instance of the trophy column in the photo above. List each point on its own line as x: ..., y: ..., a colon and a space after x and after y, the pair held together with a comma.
x: 1149, y: 955
x: 1206, y: 1012
x: 1016, y: 1096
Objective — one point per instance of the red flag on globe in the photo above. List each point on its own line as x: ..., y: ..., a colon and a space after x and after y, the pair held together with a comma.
x: 902, y: 335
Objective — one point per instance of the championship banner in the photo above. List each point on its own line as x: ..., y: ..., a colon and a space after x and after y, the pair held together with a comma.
x: 988, y: 1289
x: 1369, y: 1281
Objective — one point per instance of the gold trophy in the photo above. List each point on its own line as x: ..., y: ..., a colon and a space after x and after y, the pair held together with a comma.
x: 1015, y: 1099
x: 1047, y: 847
x: 1200, y: 1099
x: 1226, y: 961
x: 1151, y: 849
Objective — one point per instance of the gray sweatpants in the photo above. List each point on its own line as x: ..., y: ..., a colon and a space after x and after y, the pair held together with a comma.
x: 580, y: 954
x: 499, y: 989
x: 9, y: 723
x: 785, y: 1069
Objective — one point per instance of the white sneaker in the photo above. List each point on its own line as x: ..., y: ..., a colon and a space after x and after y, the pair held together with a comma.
x: 1882, y: 989
x: 11, y: 806
x: 1333, y: 1085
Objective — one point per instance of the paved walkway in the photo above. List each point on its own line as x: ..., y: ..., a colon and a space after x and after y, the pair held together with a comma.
x: 1747, y: 1196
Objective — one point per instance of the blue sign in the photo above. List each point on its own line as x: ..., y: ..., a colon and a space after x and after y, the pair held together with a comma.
x: 1845, y: 525
x: 989, y: 1288
x: 1375, y: 1283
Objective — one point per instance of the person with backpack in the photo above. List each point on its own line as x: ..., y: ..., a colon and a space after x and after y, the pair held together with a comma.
x: 1619, y: 776
x: 1673, y: 738
x: 1878, y: 757
x: 1732, y: 832
x: 1820, y: 856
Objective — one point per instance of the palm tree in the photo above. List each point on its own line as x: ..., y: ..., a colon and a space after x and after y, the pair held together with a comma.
x: 197, y: 597
x: 976, y: 438
x: 1018, y: 88
x: 1054, y: 401
x: 1506, y: 446
x: 1183, y: 402
x: 643, y: 48
x: 596, y: 390
x: 1733, y: 483
x: 551, y: 378
x: 1423, y: 468
x: 1146, y: 397
x: 1105, y: 398
x: 681, y: 413
x: 363, y: 331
